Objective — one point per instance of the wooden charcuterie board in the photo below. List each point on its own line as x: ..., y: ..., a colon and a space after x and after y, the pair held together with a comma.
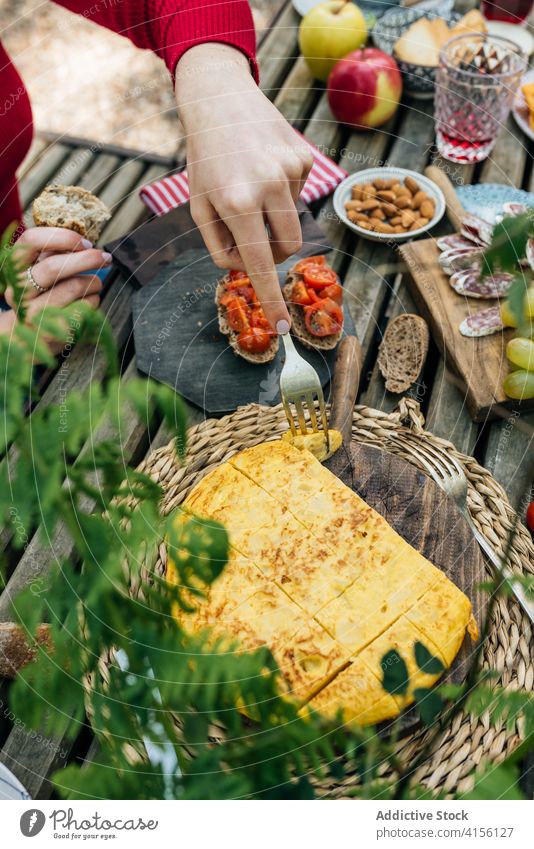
x: 479, y: 363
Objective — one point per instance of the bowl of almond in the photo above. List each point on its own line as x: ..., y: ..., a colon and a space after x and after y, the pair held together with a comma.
x: 389, y: 204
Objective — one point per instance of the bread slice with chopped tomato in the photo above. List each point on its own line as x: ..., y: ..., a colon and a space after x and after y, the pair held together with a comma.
x: 225, y: 321
x: 298, y: 312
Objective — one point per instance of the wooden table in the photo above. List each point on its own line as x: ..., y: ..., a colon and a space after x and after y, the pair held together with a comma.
x: 373, y: 278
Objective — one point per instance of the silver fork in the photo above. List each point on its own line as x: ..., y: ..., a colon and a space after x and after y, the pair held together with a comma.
x: 450, y: 476
x: 300, y: 385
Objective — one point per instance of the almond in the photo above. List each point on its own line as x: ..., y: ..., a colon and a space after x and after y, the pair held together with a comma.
x: 408, y: 217
x: 419, y: 223
x: 390, y: 209
x: 377, y: 213
x: 400, y: 229
x: 395, y: 221
x: 383, y: 227
x: 399, y: 189
x: 418, y: 199
x: 404, y: 202
x: 353, y: 204
x: 368, y: 205
x: 387, y: 195
x: 412, y: 185
x: 427, y: 209
x: 357, y: 193
x: 380, y: 183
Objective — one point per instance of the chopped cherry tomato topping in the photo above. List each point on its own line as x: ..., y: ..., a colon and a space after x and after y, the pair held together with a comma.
x: 309, y: 260
x: 323, y: 318
x: 255, y: 340
x: 530, y: 516
x: 318, y: 277
x: 238, y: 275
x: 237, y: 314
x: 300, y: 294
x: 335, y: 292
x: 258, y: 319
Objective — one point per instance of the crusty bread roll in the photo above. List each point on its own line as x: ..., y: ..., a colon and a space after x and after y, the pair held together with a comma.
x: 298, y: 324
x: 71, y: 207
x: 403, y: 351
x: 224, y: 327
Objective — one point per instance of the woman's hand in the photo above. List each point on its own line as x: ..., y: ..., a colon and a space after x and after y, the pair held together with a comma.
x: 58, y: 258
x: 246, y: 169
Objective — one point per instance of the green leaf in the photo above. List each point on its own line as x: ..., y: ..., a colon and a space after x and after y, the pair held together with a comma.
x: 496, y: 783
x: 426, y: 661
x: 516, y: 297
x: 508, y: 243
x: 429, y: 704
x: 395, y: 678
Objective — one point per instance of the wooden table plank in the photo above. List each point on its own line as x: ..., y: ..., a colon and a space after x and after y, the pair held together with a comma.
x: 278, y: 51
x: 133, y: 210
x: 509, y: 455
x: 100, y: 171
x: 122, y: 183
x: 506, y: 162
x: 42, y: 172
x: 447, y: 413
x: 298, y: 94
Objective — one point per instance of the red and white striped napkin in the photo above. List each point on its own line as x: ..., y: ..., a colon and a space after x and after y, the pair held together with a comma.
x: 173, y: 191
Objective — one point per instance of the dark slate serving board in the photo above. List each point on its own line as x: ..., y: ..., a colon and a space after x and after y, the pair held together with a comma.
x: 178, y: 342
x: 176, y: 331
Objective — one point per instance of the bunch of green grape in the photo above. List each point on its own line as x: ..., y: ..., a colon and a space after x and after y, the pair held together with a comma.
x: 519, y: 384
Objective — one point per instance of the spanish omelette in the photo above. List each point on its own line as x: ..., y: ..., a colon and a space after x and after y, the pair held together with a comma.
x: 323, y: 580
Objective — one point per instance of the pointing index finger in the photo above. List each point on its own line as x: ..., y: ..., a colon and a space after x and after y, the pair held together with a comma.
x: 254, y: 247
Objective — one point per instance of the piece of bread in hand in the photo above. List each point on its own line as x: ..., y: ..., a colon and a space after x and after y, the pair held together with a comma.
x: 265, y: 356
x: 403, y: 351
x: 71, y: 207
x: 298, y: 324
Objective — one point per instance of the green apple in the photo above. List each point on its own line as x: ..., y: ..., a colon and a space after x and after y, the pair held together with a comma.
x: 328, y: 32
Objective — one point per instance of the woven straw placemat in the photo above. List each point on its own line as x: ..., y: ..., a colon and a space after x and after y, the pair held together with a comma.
x: 508, y: 651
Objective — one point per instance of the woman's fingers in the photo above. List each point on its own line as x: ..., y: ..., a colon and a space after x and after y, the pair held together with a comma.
x: 65, y: 293
x: 284, y: 224
x: 252, y: 241
x: 59, y: 267
x: 35, y: 240
x: 217, y: 237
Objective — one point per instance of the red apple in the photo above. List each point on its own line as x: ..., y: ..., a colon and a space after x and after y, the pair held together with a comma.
x: 364, y: 88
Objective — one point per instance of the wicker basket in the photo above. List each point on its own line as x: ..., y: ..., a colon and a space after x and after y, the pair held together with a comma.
x: 508, y: 651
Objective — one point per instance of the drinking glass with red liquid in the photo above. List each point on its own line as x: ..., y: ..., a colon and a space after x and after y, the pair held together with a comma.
x: 511, y: 11
x: 476, y: 81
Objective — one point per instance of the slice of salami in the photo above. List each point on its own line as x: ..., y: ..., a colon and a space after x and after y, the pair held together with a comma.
x: 512, y: 208
x: 454, y: 242
x: 482, y: 323
x: 477, y: 229
x: 472, y: 285
x: 452, y: 261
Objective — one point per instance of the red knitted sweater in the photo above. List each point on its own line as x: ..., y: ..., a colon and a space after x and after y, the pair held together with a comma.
x: 168, y: 27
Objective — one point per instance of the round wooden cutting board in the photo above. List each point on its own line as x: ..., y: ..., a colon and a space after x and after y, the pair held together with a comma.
x: 430, y: 521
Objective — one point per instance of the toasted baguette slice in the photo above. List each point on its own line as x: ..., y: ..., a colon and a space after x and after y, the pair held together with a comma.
x: 225, y: 328
x: 403, y: 351
x: 71, y: 207
x: 323, y: 343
